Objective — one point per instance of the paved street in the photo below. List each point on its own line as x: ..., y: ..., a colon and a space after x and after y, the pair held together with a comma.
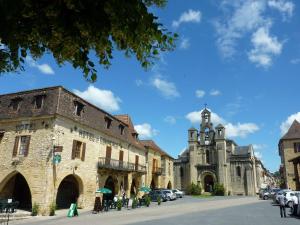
x: 189, y: 211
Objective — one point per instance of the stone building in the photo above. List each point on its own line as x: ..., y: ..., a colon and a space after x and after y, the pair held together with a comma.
x: 212, y: 158
x: 289, y: 152
x: 159, y: 166
x: 57, y: 147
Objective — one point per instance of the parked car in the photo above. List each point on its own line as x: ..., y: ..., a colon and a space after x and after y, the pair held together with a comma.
x: 179, y: 194
x: 288, y: 197
x: 170, y: 195
x: 155, y: 193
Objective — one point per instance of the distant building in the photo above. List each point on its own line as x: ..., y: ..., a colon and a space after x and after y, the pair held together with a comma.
x: 211, y: 158
x: 289, y: 151
x: 57, y: 147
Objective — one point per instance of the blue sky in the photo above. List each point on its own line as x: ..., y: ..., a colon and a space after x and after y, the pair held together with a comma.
x: 242, y: 58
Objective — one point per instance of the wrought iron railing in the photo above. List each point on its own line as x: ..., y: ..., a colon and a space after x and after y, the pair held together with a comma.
x: 114, y: 164
x: 157, y: 170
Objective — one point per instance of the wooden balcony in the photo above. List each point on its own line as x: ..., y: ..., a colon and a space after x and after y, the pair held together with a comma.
x: 157, y: 171
x: 113, y: 164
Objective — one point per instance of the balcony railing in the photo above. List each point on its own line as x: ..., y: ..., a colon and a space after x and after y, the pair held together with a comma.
x: 114, y: 164
x: 157, y: 170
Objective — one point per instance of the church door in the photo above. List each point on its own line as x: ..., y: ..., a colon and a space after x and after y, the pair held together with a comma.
x: 208, y: 183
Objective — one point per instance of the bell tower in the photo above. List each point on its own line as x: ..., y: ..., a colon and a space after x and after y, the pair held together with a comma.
x: 206, y: 128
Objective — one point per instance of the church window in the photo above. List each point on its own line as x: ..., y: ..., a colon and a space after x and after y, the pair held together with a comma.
x: 181, y: 171
x: 207, y: 156
x: 219, y: 132
x: 206, y: 117
x: 238, y: 171
x: 297, y: 147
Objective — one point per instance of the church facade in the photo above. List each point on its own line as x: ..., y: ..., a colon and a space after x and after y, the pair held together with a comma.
x: 212, y: 158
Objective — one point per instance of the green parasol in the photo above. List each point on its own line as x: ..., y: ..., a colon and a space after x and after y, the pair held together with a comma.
x: 145, y: 189
x: 104, y: 191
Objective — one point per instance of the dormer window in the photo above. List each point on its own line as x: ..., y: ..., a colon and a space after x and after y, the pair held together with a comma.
x: 220, y: 132
x: 121, y: 127
x: 39, y: 101
x: 15, y: 103
x: 135, y: 135
x: 108, y: 122
x: 78, y: 108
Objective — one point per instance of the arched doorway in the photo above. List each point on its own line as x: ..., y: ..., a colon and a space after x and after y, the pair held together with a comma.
x: 68, y: 192
x: 133, y: 190
x: 111, y: 184
x: 169, y: 185
x: 208, y: 183
x: 152, y: 185
x: 17, y: 188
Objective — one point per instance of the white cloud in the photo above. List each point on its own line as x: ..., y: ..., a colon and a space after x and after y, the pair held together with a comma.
x: 43, y: 68
x: 170, y: 119
x: 214, y: 92
x: 232, y: 130
x: 288, y: 122
x: 259, y: 146
x: 104, y: 99
x: 258, y: 154
x: 168, y: 89
x: 286, y: 8
x: 295, y: 61
x: 195, y: 118
x: 246, y: 16
x: 188, y: 17
x: 240, y: 129
x: 184, y: 44
x: 139, y: 83
x: 145, y: 130
x: 250, y: 17
x: 265, y: 47
x: 200, y: 93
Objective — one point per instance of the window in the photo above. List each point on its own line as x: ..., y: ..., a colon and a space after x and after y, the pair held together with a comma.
x: 1, y: 135
x: 21, y: 146
x: 15, y: 104
x: 78, y: 150
x: 39, y: 101
x: 238, y: 171
x: 219, y: 132
x: 169, y: 169
x: 297, y: 147
x: 135, y: 135
x: 108, y: 122
x: 206, y: 117
x: 121, y: 127
x: 207, y: 156
x: 181, y: 171
x: 78, y: 108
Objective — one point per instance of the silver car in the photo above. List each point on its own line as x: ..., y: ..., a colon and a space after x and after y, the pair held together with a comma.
x: 170, y: 195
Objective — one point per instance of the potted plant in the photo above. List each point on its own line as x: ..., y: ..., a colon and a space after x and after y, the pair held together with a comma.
x: 119, y: 204
x: 147, y: 200
x: 158, y: 200
x: 52, y: 209
x: 35, y: 209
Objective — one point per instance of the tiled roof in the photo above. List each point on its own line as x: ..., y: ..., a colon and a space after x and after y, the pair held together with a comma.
x: 151, y: 144
x: 293, y: 132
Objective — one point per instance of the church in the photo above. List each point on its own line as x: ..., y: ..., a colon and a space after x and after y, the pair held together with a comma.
x: 212, y: 158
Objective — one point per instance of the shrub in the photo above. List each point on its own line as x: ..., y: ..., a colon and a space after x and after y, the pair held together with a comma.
x: 219, y: 189
x: 134, y: 203
x: 52, y: 209
x: 193, y: 189
x: 119, y: 204
x: 147, y: 200
x: 158, y: 200
x: 35, y: 209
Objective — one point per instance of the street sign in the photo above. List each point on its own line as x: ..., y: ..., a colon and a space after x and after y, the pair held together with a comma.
x: 73, y: 210
x: 56, y: 159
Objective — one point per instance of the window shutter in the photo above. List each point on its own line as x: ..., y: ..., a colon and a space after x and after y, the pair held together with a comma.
x: 16, y: 146
x: 74, y: 149
x: 83, y: 151
x: 27, y: 146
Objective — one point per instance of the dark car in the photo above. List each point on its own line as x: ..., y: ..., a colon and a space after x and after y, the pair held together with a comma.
x: 154, y: 195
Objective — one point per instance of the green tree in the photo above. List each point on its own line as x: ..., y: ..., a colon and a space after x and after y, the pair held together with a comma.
x: 74, y: 30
